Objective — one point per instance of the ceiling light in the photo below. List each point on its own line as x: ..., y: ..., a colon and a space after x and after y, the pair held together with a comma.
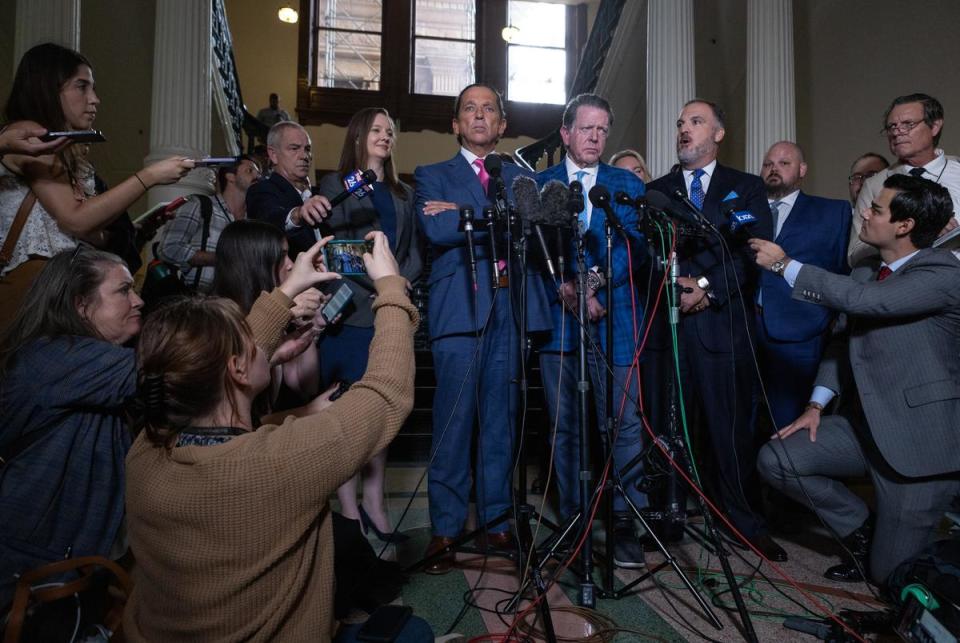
x: 288, y: 14
x: 510, y: 33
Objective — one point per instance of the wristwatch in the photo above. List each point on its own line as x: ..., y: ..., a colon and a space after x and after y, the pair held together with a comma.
x: 778, y: 267
x: 703, y: 284
x: 595, y: 280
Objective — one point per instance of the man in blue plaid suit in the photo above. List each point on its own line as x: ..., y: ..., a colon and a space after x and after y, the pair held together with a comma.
x: 586, y: 125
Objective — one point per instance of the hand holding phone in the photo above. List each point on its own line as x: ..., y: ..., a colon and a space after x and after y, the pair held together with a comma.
x: 346, y: 256
x: 215, y: 161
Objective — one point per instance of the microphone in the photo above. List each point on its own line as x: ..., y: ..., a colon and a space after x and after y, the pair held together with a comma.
x: 554, y: 200
x: 488, y: 215
x: 527, y: 197
x: 697, y: 212
x: 466, y: 218
x: 662, y: 203
x: 354, y: 181
x: 600, y: 198
x: 575, y: 204
x: 493, y: 164
x: 732, y: 208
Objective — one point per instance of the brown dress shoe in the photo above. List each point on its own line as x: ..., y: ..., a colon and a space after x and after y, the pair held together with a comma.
x: 500, y: 540
x: 442, y: 564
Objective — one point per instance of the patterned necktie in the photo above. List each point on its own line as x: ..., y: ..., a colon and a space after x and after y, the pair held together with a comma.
x: 775, y: 213
x: 582, y: 217
x: 884, y: 273
x: 482, y: 174
x: 697, y: 194
x: 917, y: 172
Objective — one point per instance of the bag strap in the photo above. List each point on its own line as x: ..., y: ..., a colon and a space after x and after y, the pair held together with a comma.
x: 206, y: 211
x: 86, y: 565
x: 16, y: 229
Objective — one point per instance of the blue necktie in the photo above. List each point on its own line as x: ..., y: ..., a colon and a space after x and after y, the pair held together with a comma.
x: 697, y: 194
x: 582, y: 217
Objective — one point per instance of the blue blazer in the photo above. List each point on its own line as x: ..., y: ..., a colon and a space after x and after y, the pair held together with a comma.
x: 625, y: 316
x: 728, y: 276
x: 453, y: 306
x: 816, y: 233
x: 270, y: 200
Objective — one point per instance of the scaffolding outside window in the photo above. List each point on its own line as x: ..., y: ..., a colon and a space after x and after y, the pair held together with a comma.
x: 536, y: 55
x: 349, y: 43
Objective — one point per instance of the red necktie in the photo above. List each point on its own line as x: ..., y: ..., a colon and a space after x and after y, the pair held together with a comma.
x: 482, y: 174
x: 884, y: 273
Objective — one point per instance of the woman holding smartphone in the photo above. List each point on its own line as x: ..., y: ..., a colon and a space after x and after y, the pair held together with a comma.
x: 389, y: 207
x: 53, y: 193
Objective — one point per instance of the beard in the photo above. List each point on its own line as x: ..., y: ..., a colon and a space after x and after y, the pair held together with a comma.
x: 690, y: 155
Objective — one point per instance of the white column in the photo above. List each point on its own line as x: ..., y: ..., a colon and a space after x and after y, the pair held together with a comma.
x: 671, y: 80
x: 771, y: 96
x: 181, y: 104
x: 40, y: 21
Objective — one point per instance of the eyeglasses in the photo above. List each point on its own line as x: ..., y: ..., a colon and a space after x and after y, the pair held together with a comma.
x: 902, y: 127
x: 859, y: 178
x: 588, y: 130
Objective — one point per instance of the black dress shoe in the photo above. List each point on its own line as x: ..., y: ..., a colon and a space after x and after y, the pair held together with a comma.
x: 858, y: 546
x: 844, y: 573
x: 769, y: 548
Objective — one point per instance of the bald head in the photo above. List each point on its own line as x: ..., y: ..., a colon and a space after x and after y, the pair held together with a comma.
x: 783, y: 169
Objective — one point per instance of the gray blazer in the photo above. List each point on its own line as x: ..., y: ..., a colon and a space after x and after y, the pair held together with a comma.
x: 353, y: 219
x: 904, y: 355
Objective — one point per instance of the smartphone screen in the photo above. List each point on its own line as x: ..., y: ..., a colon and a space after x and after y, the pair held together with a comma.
x: 346, y: 257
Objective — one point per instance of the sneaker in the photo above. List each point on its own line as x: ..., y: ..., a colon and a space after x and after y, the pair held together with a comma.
x: 627, y: 548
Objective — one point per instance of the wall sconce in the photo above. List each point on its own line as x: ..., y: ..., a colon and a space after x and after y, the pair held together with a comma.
x: 288, y: 14
x: 510, y: 33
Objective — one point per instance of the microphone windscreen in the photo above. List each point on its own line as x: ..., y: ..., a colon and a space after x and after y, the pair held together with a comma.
x: 369, y: 176
x: 599, y: 196
x: 659, y: 200
x: 553, y: 203
x: 527, y: 197
x: 493, y: 164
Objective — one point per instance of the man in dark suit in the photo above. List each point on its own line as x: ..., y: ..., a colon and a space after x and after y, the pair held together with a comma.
x: 473, y: 331
x: 791, y: 334
x: 717, y: 321
x: 586, y: 124
x: 898, y: 384
x: 285, y: 198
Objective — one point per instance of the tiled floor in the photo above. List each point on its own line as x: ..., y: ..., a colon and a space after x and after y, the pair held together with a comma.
x: 660, y: 608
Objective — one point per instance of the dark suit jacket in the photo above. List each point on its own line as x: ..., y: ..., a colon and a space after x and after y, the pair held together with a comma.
x: 904, y: 344
x: 452, y: 309
x: 728, y: 276
x: 271, y: 200
x: 624, y: 322
x: 353, y: 219
x: 815, y: 233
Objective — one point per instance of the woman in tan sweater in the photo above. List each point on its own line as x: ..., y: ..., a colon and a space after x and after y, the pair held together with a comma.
x: 229, y: 523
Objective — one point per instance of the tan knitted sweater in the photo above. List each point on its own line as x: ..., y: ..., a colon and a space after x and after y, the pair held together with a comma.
x: 234, y: 542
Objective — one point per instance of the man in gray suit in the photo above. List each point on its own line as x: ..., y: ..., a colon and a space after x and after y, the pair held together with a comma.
x: 898, y: 381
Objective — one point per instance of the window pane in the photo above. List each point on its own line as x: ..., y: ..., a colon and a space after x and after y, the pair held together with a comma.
x: 446, y: 19
x: 540, y: 24
x: 443, y: 68
x: 348, y: 60
x: 359, y: 15
x: 537, y: 75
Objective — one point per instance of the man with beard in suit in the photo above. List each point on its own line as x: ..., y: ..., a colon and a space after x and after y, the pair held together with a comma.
x: 717, y: 321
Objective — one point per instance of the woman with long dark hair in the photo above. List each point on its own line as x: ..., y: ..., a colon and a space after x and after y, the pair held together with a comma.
x: 230, y: 520
x: 54, y: 89
x: 389, y: 207
x: 252, y: 257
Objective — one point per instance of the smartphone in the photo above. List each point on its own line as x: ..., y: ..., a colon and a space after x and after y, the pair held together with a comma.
x: 346, y: 257
x: 77, y: 136
x: 215, y: 161
x: 385, y: 624
x: 335, y: 306
x: 342, y: 387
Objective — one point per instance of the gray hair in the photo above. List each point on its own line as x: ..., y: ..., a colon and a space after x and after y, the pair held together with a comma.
x: 276, y: 132
x: 585, y: 100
